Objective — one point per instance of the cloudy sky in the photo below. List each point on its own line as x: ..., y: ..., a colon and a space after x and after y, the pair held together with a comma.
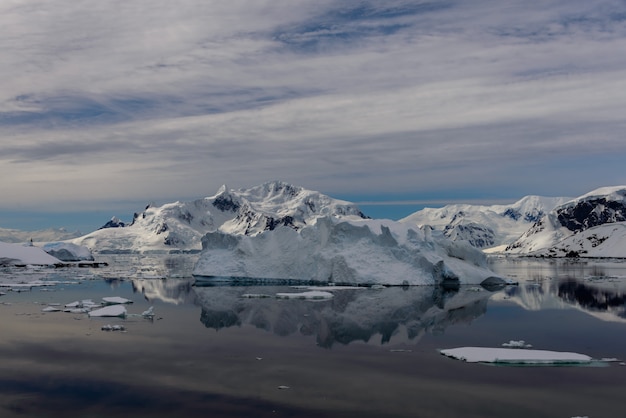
x: 108, y: 105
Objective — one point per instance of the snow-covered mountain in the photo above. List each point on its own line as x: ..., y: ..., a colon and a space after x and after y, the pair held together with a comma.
x: 485, y: 226
x: 592, y: 225
x: 43, y: 235
x: 179, y: 227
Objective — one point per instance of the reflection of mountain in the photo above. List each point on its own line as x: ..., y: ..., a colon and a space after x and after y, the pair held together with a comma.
x: 591, y: 298
x: 603, y: 298
x: 351, y: 315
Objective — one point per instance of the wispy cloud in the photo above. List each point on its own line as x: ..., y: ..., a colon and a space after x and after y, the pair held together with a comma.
x: 143, y: 100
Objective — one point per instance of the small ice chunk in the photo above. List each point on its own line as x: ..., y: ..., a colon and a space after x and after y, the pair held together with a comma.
x: 255, y: 296
x: 116, y: 300
x: 76, y: 310
x: 51, y: 309
x: 149, y: 313
x: 109, y: 327
x: 283, y: 387
x: 515, y: 356
x: 85, y: 303
x: 517, y: 344
x: 311, y: 295
x: 113, y: 310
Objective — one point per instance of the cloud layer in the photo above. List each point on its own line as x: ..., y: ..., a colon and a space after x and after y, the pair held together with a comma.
x: 147, y: 100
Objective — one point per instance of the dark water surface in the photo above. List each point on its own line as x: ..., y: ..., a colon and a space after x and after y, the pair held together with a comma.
x: 210, y: 351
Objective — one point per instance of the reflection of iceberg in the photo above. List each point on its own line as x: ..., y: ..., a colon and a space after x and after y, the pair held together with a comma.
x: 171, y: 291
x: 351, y: 315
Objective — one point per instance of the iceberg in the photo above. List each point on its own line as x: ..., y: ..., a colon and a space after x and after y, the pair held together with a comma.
x: 342, y: 250
x: 66, y: 251
x: 515, y: 356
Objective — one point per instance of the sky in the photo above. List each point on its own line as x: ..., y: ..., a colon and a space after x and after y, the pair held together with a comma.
x: 106, y: 106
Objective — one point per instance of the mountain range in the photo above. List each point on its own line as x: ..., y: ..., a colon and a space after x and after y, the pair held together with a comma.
x: 486, y: 226
x: 248, y: 231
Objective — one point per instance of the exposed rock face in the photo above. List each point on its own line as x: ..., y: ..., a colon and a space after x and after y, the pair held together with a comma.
x: 586, y: 214
x: 115, y: 222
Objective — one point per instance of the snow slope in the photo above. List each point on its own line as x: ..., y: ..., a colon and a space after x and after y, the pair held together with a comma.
x: 179, y: 226
x: 19, y: 254
x: 592, y: 225
x: 485, y: 226
x: 343, y: 250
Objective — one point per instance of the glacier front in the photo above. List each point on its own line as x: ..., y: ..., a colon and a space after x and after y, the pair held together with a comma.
x: 343, y: 250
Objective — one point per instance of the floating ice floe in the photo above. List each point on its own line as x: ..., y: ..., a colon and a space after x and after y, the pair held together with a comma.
x: 112, y: 310
x: 88, y: 304
x: 51, y: 309
x: 310, y: 295
x: 517, y: 344
x: 116, y: 300
x: 515, y: 356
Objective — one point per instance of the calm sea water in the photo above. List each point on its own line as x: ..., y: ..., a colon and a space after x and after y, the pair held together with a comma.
x: 210, y: 351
